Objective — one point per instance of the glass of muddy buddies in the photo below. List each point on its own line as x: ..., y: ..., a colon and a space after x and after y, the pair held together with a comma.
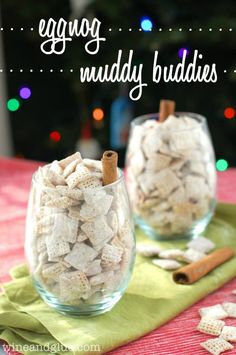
x: 79, y: 234
x: 171, y: 175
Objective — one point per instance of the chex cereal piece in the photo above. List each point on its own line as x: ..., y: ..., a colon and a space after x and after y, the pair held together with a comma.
x: 81, y: 237
x: 73, y: 285
x: 213, y: 312
x: 147, y: 249
x: 62, y: 202
x: 171, y: 253
x: 75, y: 194
x: 111, y: 254
x: 101, y: 278
x: 210, y: 326
x: 64, y: 162
x: 56, y: 247
x: 53, y: 271
x: 177, y: 197
x: 90, y: 183
x: 230, y: 309
x: 113, y: 221
x: 166, y: 264
x: 182, y: 217
x: 229, y: 333
x: 42, y: 178
x: 201, y: 244
x: 80, y: 255
x: 56, y: 168
x: 93, y: 164
x: 92, y: 197
x: 61, y: 227
x: 81, y: 173
x: 216, y: 346
x: 88, y: 212
x: 195, y: 187
x: 74, y: 212
x: 53, y: 176
x: 70, y: 168
x: 41, y: 244
x: 166, y: 181
x: 191, y: 255
x: 94, y: 268
x: 97, y: 231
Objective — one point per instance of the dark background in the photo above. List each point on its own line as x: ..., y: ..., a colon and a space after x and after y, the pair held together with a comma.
x: 59, y: 102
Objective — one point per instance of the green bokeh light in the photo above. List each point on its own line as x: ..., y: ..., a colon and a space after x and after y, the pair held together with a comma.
x: 13, y: 104
x: 222, y: 165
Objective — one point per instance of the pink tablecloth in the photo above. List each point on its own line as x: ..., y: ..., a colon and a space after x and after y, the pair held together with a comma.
x: 176, y: 337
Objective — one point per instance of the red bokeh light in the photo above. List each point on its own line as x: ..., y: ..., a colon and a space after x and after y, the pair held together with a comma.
x: 229, y: 113
x: 55, y: 136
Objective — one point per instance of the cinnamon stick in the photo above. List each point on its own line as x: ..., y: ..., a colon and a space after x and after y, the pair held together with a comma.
x: 191, y: 273
x: 167, y: 107
x: 109, y: 167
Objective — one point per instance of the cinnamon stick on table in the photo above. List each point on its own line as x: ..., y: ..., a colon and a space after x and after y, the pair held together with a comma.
x: 193, y: 272
x: 109, y: 167
x: 167, y: 107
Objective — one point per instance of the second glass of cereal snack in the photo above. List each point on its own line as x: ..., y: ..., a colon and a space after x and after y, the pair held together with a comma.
x: 171, y: 175
x: 79, y: 234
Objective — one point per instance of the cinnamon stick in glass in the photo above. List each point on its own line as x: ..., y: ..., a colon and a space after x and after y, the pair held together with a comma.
x: 109, y: 167
x: 191, y: 273
x: 167, y: 107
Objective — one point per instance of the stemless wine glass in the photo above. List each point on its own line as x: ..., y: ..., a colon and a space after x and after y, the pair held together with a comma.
x: 171, y: 177
x: 95, y: 275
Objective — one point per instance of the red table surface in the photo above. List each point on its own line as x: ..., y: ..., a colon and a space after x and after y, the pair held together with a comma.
x: 177, y: 336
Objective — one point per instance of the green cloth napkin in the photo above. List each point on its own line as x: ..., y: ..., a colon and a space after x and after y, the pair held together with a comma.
x: 151, y: 300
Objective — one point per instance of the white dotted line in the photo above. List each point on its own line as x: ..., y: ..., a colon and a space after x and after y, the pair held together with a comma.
x: 120, y: 29
x: 71, y: 70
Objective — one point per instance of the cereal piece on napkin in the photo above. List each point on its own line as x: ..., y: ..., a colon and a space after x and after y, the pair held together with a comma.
x: 148, y: 250
x: 201, y: 244
x: 229, y: 333
x: 213, y: 312
x: 65, y: 162
x: 230, y: 309
x: 216, y: 346
x: 210, y: 326
x: 171, y: 253
x: 80, y: 255
x: 192, y: 255
x: 166, y: 264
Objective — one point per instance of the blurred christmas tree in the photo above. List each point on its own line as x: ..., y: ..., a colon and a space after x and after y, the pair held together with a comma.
x: 60, y: 103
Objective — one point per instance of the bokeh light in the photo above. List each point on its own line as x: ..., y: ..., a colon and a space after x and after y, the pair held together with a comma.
x: 25, y: 93
x: 55, y: 136
x: 222, y: 165
x: 229, y: 113
x: 13, y: 105
x: 146, y: 24
x: 181, y: 52
x: 98, y: 114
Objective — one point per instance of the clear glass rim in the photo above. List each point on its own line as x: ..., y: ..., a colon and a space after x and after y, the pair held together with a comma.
x: 201, y: 120
x: 117, y: 182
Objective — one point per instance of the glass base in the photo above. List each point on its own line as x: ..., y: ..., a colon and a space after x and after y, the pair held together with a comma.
x: 192, y: 233
x: 85, y: 310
